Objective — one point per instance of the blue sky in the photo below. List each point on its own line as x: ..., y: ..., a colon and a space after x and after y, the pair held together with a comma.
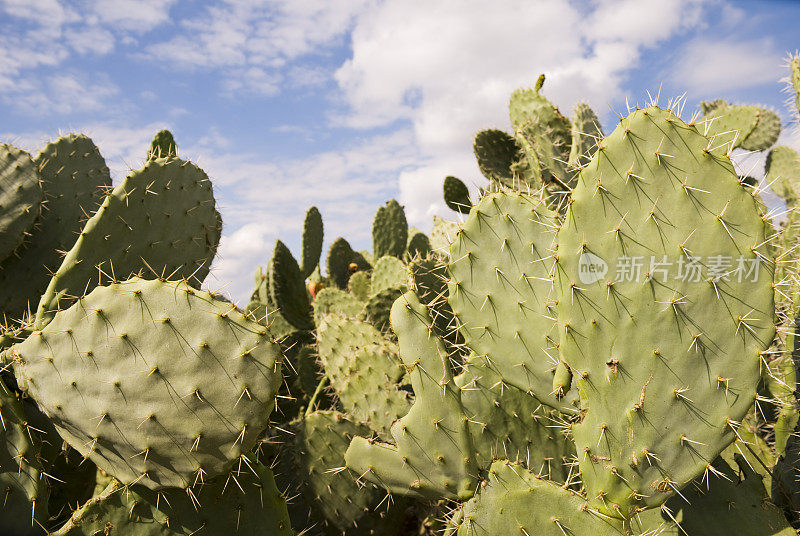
x: 347, y: 103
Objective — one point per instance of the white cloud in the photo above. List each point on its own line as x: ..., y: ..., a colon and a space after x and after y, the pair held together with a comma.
x: 133, y: 15
x: 62, y: 93
x: 708, y: 67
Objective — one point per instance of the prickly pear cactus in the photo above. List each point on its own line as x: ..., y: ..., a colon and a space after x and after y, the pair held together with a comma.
x: 246, y: 502
x: 155, y: 382
x: 312, y: 242
x: 389, y: 272
x: 74, y: 178
x: 794, y: 80
x: 20, y: 197
x: 501, y: 291
x: 513, y: 500
x: 735, y: 126
x: 22, y: 484
x: 456, y: 195
x: 160, y: 221
x: 496, y: 153
x: 162, y: 146
x: 287, y: 289
x: 665, y: 308
x: 432, y: 455
x: 343, y: 262
x: 389, y: 231
x: 586, y: 134
x: 782, y: 173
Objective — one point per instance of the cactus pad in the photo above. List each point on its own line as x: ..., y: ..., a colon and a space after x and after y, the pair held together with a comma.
x: 666, y: 305
x: 389, y: 272
x: 341, y: 259
x: 419, y: 245
x: 496, y: 152
x: 502, y: 293
x: 312, y: 242
x: 287, y: 289
x: 20, y: 197
x: 333, y: 300
x: 782, y: 173
x: 74, y: 180
x: 456, y: 195
x: 162, y: 146
x: 155, y: 382
x: 389, y: 231
x: 432, y: 454
x: 586, y: 134
x: 160, y: 219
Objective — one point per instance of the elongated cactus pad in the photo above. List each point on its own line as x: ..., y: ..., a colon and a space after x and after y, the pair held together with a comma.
x: 666, y: 304
x: 389, y: 231
x: 586, y: 134
x: 75, y: 179
x: 287, y: 289
x: 794, y: 80
x: 20, y: 197
x: 160, y: 220
x: 782, y: 173
x: 432, y: 455
x: 456, y: 195
x: 312, y: 242
x: 541, y: 130
x: 343, y: 262
x: 514, y: 500
x: 22, y: 485
x: 155, y: 382
x: 502, y: 293
x: 244, y: 503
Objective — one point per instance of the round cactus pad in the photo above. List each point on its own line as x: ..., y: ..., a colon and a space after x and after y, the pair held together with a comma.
x: 155, y: 382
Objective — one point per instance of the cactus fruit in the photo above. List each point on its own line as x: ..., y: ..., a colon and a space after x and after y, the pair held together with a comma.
x: 162, y: 146
x: 20, y: 197
x: 245, y: 502
x: 513, y: 500
x: 364, y: 371
x: 155, y: 382
x: 432, y: 451
x: 340, y: 259
x: 389, y: 231
x: 74, y: 179
x: 501, y: 291
x: 456, y: 195
x: 160, y: 219
x: 496, y: 153
x: 312, y: 242
x: 665, y: 308
x: 287, y: 289
x: 542, y: 131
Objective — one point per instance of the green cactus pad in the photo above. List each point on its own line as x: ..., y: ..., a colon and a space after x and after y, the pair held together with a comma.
x: 456, y: 195
x: 162, y: 146
x: 505, y: 422
x: 782, y: 173
x: 359, y: 285
x: 544, y: 131
x: 514, y: 500
x: 725, y: 502
x: 496, y: 152
x: 432, y: 455
x: 419, y: 245
x: 155, y: 382
x: 501, y: 291
x: 389, y: 272
x: 443, y: 234
x: 20, y: 197
x: 74, y: 179
x: 586, y: 134
x: 333, y: 300
x: 389, y: 231
x: 666, y: 305
x: 794, y: 80
x: 364, y: 371
x: 287, y: 288
x: 709, y: 106
x: 429, y: 281
x: 312, y: 242
x: 22, y: 485
x: 341, y: 257
x: 349, y: 507
x: 735, y: 126
x: 159, y: 220
x: 244, y: 503
x: 379, y: 307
